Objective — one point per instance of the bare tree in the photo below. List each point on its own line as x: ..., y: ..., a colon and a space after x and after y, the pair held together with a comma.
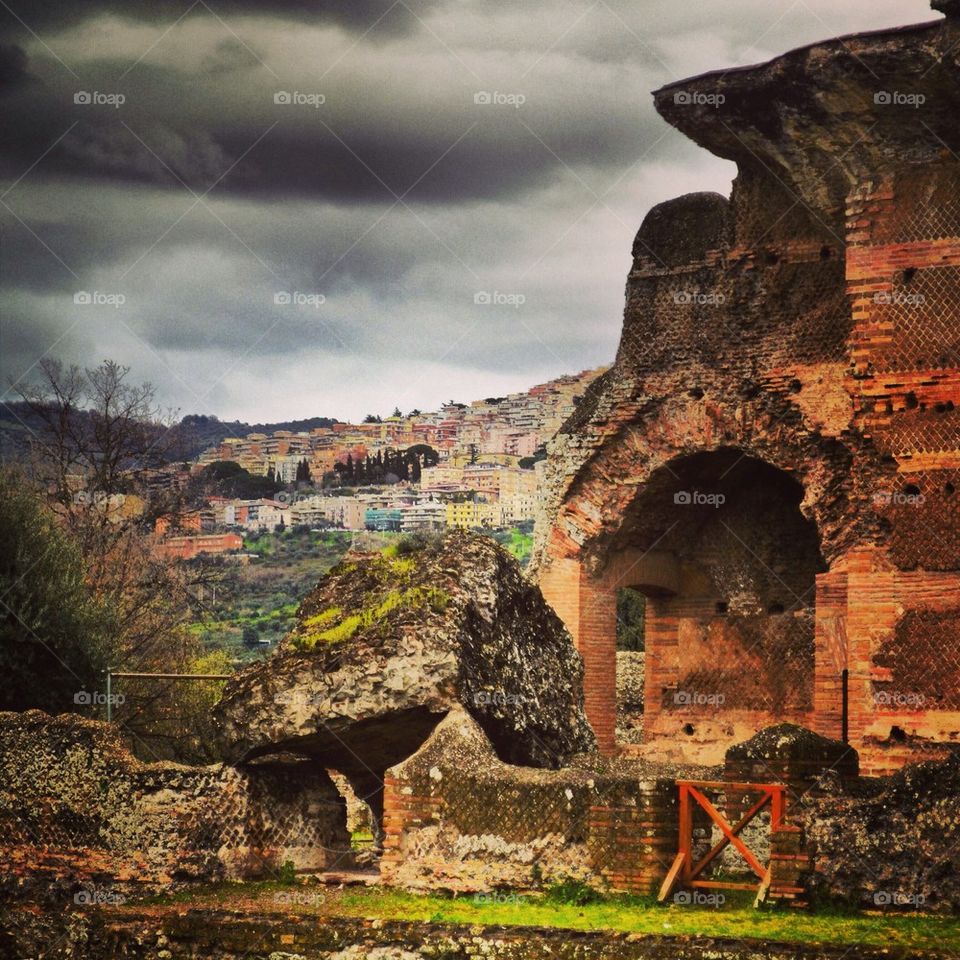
x: 99, y: 437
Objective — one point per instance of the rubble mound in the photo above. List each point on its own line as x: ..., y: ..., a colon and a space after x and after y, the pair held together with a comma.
x: 389, y: 642
x: 895, y: 840
x: 787, y: 741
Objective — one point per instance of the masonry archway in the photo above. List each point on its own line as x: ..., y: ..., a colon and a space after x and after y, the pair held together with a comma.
x: 718, y: 545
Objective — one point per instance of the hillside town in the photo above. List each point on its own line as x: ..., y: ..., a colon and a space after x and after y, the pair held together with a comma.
x: 469, y: 466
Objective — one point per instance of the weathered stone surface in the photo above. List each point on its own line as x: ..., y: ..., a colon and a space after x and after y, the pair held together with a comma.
x: 788, y: 743
x: 80, y: 815
x: 387, y: 644
x: 178, y: 934
x: 458, y: 818
x: 892, y: 842
x: 630, y: 681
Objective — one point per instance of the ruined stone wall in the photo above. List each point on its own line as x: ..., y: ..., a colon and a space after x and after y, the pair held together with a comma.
x: 887, y: 843
x: 457, y: 818
x: 79, y: 813
x: 221, y: 934
x: 631, y: 677
x: 811, y: 322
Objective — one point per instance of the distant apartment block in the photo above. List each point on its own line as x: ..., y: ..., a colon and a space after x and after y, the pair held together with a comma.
x: 426, y: 515
x: 346, y: 512
x: 472, y: 515
x: 186, y: 548
x: 383, y: 519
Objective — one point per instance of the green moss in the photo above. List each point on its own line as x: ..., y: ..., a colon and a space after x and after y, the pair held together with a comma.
x: 395, y: 599
x: 323, y: 618
x: 403, y: 566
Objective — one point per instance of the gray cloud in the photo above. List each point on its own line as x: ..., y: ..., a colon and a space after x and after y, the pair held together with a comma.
x: 355, y: 15
x: 539, y: 199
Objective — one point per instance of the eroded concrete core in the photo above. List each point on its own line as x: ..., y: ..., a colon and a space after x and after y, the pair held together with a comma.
x: 386, y: 645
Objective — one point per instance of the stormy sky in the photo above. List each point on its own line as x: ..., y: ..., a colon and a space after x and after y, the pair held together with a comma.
x: 290, y: 208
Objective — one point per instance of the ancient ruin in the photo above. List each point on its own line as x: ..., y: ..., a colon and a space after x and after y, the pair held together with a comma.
x: 774, y: 458
x: 773, y: 462
x: 388, y: 644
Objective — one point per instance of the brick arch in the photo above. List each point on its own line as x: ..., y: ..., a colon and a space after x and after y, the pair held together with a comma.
x: 633, y: 546
x: 604, y: 488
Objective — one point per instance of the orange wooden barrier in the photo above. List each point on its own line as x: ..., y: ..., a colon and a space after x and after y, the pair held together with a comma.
x: 684, y: 872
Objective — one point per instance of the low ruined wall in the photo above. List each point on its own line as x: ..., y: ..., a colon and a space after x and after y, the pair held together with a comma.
x: 458, y: 818
x: 221, y: 935
x: 888, y: 842
x: 78, y: 811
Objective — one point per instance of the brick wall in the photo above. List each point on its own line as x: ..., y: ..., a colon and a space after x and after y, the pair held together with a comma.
x: 457, y: 818
x: 875, y: 621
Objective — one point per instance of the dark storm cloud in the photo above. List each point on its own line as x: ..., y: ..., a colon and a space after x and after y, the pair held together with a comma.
x: 538, y: 200
x: 17, y: 16
x: 13, y: 65
x: 360, y: 144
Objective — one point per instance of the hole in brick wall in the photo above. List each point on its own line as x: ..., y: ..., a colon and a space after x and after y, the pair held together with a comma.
x: 743, y: 550
x: 897, y: 735
x: 772, y: 258
x: 696, y: 393
x: 949, y: 489
x: 910, y: 401
x: 689, y: 729
x: 911, y: 490
x: 825, y: 253
x: 795, y: 385
x: 909, y: 274
x: 631, y: 624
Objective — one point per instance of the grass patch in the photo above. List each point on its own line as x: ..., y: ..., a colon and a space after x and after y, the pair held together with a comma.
x: 629, y: 914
